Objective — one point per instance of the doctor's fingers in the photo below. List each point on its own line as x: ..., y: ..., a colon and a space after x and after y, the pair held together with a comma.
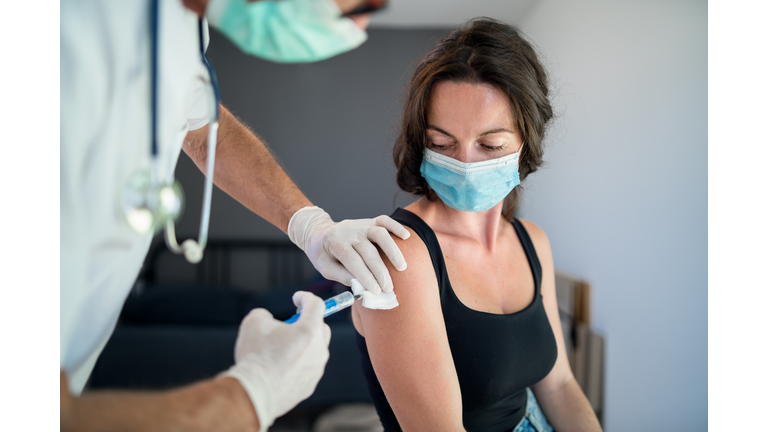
x: 355, y: 264
x: 392, y: 226
x: 311, y: 319
x: 374, y: 263
x: 312, y: 307
x: 254, y: 329
x: 330, y: 268
x: 380, y: 235
x: 334, y: 269
x: 326, y: 329
x: 258, y: 318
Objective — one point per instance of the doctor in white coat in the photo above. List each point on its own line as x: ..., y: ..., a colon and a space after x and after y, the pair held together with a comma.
x: 126, y: 114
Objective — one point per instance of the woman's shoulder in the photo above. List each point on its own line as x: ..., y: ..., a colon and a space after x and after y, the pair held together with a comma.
x: 417, y: 258
x: 537, y: 235
x: 414, y: 247
x: 416, y: 290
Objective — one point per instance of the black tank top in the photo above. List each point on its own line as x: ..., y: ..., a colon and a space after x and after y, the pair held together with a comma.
x: 496, y: 355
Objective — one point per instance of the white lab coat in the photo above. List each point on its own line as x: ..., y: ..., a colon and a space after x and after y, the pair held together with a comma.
x: 105, y: 138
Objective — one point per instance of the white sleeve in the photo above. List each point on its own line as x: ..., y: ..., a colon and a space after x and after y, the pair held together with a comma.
x: 197, y: 112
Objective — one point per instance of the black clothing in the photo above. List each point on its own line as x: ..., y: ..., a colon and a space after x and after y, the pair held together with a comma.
x: 496, y: 355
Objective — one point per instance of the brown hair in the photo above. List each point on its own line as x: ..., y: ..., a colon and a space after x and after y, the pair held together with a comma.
x: 488, y: 51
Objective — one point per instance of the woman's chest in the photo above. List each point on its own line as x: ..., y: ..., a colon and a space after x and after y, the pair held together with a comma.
x: 499, y: 283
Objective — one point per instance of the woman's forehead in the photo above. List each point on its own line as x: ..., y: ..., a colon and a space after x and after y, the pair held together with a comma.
x: 479, y: 107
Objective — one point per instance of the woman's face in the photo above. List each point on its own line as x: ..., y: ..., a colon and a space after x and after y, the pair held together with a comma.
x: 471, y: 122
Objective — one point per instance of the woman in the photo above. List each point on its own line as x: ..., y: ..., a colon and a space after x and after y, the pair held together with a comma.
x: 476, y: 342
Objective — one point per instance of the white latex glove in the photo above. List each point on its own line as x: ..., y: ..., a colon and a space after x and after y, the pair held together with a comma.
x: 278, y: 364
x: 344, y: 251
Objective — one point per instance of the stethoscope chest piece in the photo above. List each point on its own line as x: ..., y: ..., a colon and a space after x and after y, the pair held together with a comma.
x: 149, y: 205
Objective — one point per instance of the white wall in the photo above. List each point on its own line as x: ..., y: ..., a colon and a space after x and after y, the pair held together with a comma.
x: 624, y: 196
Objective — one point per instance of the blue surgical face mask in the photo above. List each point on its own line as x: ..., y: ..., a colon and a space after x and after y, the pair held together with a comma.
x: 470, y: 187
x: 286, y: 31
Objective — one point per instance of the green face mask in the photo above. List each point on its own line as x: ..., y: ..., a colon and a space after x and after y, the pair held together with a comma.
x: 286, y: 31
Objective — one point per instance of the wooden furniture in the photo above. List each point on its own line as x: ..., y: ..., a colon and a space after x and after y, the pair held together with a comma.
x: 586, y: 348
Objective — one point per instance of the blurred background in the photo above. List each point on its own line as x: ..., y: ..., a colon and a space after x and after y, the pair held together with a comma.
x: 622, y: 197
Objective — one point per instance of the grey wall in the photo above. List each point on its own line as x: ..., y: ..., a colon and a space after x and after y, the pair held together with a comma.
x: 623, y: 197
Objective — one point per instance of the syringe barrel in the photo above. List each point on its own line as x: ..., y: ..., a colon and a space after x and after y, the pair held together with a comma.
x: 332, y: 305
x: 338, y: 302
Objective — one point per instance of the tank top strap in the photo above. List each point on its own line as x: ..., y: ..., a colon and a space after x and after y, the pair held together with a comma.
x: 430, y: 240
x: 530, y: 252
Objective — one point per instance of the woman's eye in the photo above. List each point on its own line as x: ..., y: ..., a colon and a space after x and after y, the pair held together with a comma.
x: 437, y: 146
x: 493, y: 147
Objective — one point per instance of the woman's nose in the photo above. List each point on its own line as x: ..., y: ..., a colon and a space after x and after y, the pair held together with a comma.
x: 466, y: 154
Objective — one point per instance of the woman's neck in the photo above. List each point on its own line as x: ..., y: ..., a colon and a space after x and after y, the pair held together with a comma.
x: 481, y: 227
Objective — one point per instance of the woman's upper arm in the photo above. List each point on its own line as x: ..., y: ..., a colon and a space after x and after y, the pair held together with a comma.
x: 561, y: 372
x: 409, y: 347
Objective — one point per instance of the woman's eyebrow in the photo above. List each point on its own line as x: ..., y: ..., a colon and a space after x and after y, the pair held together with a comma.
x: 499, y: 130
x: 490, y: 132
x: 437, y: 129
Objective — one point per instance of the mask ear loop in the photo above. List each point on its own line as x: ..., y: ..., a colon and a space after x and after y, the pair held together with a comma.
x: 520, y: 156
x: 429, y: 193
x: 506, y: 198
x: 193, y: 250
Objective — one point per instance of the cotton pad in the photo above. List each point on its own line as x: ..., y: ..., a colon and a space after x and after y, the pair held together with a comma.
x: 372, y: 301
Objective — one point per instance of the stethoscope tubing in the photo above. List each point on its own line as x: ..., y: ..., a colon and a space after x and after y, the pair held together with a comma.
x: 213, y: 126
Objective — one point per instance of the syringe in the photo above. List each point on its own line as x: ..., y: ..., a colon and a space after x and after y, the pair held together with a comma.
x: 332, y: 305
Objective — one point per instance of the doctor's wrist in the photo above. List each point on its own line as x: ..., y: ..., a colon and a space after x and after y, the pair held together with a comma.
x: 304, y: 222
x: 219, y: 404
x: 241, y: 402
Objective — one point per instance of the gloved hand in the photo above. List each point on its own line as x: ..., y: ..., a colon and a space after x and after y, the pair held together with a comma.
x: 278, y: 364
x: 344, y: 251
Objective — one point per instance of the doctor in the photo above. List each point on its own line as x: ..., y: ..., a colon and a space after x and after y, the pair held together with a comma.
x: 136, y: 89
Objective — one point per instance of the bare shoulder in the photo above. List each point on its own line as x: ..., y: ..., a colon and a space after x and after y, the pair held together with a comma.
x: 538, y: 237
x: 414, y: 250
x: 415, y: 287
x: 417, y: 258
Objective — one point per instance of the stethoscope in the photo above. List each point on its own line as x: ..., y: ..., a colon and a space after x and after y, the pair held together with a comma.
x: 150, y: 203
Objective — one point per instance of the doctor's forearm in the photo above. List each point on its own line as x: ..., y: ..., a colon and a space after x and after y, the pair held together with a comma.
x: 567, y: 408
x: 247, y: 171
x: 214, y: 405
